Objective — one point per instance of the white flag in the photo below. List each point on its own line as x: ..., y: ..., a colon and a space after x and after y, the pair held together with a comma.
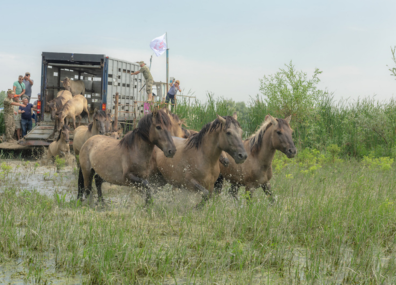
x: 158, y: 45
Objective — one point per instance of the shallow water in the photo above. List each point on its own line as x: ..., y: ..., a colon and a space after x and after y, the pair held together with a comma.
x: 18, y: 271
x: 43, y: 178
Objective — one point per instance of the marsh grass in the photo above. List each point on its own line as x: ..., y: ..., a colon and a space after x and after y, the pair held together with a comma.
x: 334, y: 225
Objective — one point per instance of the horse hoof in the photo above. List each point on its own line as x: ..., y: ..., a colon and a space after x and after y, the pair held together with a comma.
x: 273, y: 199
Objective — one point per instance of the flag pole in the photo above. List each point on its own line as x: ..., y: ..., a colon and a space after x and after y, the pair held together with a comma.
x: 167, y: 64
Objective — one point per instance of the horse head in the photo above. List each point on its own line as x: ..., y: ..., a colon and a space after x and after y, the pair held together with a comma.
x: 65, y: 131
x: 281, y: 135
x: 66, y: 83
x: 159, y: 132
x: 52, y: 106
x: 230, y: 138
x: 99, y: 122
x: 60, y: 116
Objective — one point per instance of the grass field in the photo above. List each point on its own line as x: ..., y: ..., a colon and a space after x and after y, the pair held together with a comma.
x: 334, y: 223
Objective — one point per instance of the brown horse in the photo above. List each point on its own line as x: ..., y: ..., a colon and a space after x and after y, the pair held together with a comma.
x: 61, y: 146
x: 195, y: 164
x: 83, y: 133
x: 126, y: 161
x: 71, y: 109
x: 274, y: 134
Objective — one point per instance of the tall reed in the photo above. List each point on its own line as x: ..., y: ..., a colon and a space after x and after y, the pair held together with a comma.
x: 360, y: 127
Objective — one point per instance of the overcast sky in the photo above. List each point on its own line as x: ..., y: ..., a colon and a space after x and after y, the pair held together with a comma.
x: 219, y: 46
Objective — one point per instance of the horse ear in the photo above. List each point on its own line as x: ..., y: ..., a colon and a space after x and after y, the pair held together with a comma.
x: 235, y: 116
x: 272, y: 120
x: 288, y: 119
x: 221, y: 119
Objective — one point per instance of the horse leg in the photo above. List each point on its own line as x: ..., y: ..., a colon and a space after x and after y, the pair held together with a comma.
x: 98, y: 183
x: 88, y: 176
x: 267, y: 190
x: 203, y: 190
x: 219, y: 184
x: 144, y: 183
x: 74, y: 122
x: 234, y: 191
x: 80, y: 185
x: 86, y: 110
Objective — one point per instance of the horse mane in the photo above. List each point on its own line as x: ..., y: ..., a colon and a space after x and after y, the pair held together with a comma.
x: 195, y: 140
x: 256, y: 140
x: 65, y: 127
x: 98, y: 113
x: 143, y: 128
x: 90, y: 126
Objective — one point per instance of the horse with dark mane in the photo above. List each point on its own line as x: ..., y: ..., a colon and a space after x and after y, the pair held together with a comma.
x: 127, y: 161
x: 196, y: 163
x: 274, y: 134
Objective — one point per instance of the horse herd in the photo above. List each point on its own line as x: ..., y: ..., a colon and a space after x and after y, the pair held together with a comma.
x: 161, y: 151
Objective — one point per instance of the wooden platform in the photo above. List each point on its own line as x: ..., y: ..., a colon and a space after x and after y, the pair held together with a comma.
x: 7, y: 145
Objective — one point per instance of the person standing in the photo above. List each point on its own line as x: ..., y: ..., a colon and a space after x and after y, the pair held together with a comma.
x: 172, y: 93
x: 26, y: 118
x: 17, y: 119
x: 9, y: 115
x: 28, y: 84
x: 148, y: 77
x: 19, y: 86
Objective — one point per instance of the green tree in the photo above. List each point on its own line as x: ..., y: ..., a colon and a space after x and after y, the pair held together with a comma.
x: 2, y: 97
x: 291, y: 92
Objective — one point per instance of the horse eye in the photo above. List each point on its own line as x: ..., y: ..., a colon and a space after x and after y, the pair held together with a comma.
x: 228, y: 133
x: 278, y: 132
x: 158, y: 127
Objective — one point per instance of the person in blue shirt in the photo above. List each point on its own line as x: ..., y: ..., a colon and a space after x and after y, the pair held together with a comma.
x: 172, y: 93
x: 26, y: 116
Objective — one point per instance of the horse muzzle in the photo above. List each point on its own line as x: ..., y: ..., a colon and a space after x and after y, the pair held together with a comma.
x: 291, y: 152
x: 170, y: 152
x: 240, y: 157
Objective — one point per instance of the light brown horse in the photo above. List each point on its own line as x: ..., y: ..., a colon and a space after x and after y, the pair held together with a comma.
x: 74, y: 86
x: 127, y: 161
x: 83, y: 133
x: 196, y: 163
x: 71, y: 109
x: 274, y: 134
x: 61, y: 146
x: 56, y: 104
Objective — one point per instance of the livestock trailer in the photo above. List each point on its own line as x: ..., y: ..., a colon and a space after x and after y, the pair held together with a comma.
x: 103, y: 77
